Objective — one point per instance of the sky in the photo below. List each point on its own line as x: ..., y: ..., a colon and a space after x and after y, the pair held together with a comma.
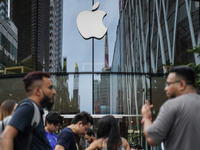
x: 78, y: 50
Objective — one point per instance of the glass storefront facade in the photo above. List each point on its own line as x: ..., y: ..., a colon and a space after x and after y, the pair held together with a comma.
x: 112, y: 75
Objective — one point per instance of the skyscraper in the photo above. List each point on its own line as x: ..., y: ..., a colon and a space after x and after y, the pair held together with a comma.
x: 8, y: 38
x: 52, y: 36
x: 31, y: 17
x: 97, y: 104
x: 59, y: 33
x: 105, y: 93
x: 106, y: 54
x: 105, y: 81
x: 4, y: 9
x: 76, y: 85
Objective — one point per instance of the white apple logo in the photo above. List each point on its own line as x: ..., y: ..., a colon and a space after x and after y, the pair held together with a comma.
x: 90, y: 24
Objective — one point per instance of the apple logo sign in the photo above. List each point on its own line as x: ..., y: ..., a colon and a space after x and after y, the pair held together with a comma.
x: 90, y: 24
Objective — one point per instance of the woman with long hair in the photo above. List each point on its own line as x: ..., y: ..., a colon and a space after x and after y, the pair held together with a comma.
x: 108, y: 136
x: 6, y: 111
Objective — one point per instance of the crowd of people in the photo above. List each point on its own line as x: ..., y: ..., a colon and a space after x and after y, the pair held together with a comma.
x: 178, y: 117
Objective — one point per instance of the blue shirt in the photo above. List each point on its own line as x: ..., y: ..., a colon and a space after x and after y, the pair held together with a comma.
x: 67, y: 139
x: 21, y: 120
x: 52, y: 138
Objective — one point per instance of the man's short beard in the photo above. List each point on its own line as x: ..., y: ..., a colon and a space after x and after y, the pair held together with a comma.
x: 172, y: 96
x: 91, y: 140
x: 45, y: 102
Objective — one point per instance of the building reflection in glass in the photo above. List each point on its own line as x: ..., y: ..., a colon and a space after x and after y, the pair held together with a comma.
x: 65, y: 103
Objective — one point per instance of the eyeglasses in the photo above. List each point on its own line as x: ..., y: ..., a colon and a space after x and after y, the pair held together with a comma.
x: 169, y: 83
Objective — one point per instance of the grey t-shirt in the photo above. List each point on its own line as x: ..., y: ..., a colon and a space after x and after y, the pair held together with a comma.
x: 178, y: 123
x: 5, y: 122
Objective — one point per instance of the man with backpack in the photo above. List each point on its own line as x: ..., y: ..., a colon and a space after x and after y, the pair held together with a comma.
x: 23, y: 133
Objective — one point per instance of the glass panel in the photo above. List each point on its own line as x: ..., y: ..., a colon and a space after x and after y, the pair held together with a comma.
x: 158, y: 98
x: 131, y: 51
x: 102, y: 94
x: 73, y: 93
x: 104, y: 48
x: 29, y: 41
x: 12, y: 88
x: 158, y: 94
x: 119, y: 94
x: 75, y: 48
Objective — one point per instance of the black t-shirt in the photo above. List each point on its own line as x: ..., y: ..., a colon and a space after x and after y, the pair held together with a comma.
x: 21, y: 120
x: 67, y: 139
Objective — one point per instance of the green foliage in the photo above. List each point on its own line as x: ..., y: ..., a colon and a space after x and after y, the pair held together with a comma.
x: 196, y: 50
x: 194, y: 66
x: 133, y: 137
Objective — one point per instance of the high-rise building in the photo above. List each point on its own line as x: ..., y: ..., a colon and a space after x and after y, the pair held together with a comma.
x: 105, y: 81
x: 31, y: 17
x: 151, y: 39
x: 59, y: 33
x: 76, y: 85
x: 96, y: 90
x: 4, y: 9
x: 106, y: 52
x: 8, y: 38
x: 52, y: 36
x: 97, y: 104
x: 55, y: 43
x: 105, y: 93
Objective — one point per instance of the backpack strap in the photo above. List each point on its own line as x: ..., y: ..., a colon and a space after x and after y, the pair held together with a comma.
x: 36, y: 116
x: 34, y: 123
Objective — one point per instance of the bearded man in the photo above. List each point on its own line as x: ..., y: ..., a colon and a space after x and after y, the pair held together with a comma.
x: 39, y: 89
x: 177, y: 124
x: 90, y: 136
